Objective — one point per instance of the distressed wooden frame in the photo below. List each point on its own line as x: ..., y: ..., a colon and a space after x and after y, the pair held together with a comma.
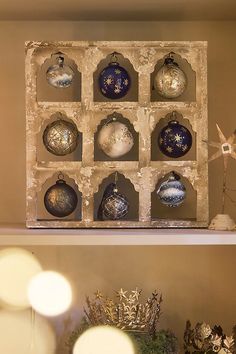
x: 144, y: 115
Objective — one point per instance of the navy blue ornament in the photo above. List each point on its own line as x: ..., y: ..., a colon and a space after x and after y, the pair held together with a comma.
x: 114, y: 81
x: 114, y: 205
x: 174, y: 140
x: 172, y: 192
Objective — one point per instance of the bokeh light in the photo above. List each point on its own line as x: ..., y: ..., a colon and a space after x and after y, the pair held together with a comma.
x: 17, y: 267
x: 50, y: 293
x: 104, y: 340
x: 21, y: 334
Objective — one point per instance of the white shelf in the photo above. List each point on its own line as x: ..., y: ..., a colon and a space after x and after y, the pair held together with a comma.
x: 18, y: 235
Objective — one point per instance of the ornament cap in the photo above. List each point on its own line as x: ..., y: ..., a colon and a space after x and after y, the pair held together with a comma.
x: 60, y: 60
x: 174, y: 176
x: 114, y: 59
x: 60, y: 181
x: 173, y: 122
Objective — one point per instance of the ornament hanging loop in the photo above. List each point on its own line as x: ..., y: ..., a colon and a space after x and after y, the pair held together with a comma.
x: 60, y: 176
x: 111, y: 119
x: 173, y: 117
x: 114, y: 58
x: 116, y: 180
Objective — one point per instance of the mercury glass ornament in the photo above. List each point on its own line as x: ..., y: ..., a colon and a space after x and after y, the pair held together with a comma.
x: 114, y: 205
x: 60, y: 200
x: 174, y: 140
x: 60, y: 75
x: 60, y: 137
x: 170, y: 81
x: 172, y: 192
x: 115, y: 139
x: 114, y: 81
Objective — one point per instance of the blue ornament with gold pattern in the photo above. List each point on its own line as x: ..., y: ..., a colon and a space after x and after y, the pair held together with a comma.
x: 174, y: 140
x: 114, y: 81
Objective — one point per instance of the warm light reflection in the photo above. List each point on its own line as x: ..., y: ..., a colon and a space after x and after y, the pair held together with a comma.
x: 50, y: 293
x: 22, y: 335
x: 104, y: 340
x: 17, y: 267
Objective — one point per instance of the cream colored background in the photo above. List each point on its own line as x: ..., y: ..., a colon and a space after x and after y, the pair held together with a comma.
x: 221, y: 88
x: 196, y: 282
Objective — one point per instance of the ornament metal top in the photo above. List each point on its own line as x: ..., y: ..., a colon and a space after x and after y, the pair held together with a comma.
x: 170, y: 81
x: 172, y: 192
x: 114, y: 81
x: 174, y: 140
x: 60, y: 75
x: 128, y: 313
x: 115, y: 139
x: 60, y: 137
x: 114, y: 205
x: 60, y: 200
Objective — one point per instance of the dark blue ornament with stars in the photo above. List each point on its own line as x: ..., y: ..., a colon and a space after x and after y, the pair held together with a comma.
x: 174, y: 140
x: 114, y: 81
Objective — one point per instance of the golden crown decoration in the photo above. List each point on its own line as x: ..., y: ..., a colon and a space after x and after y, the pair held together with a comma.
x: 128, y: 313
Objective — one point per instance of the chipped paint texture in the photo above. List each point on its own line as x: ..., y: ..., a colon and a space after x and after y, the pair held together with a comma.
x: 144, y: 115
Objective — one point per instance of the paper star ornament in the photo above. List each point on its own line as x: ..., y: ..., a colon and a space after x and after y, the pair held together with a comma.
x: 226, y: 147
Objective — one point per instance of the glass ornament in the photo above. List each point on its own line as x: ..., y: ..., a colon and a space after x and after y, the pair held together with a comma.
x: 172, y: 192
x: 114, y: 81
x: 114, y: 205
x: 60, y: 75
x: 60, y: 200
x: 60, y: 137
x: 115, y: 139
x: 170, y: 81
x: 174, y: 140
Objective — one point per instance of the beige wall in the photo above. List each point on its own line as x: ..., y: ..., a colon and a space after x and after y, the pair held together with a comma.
x: 197, y: 282
x: 221, y: 88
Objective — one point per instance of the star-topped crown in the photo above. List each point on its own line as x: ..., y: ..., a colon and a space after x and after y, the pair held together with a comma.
x: 127, y: 313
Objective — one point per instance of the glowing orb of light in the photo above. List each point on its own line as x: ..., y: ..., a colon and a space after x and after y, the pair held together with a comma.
x: 104, y: 340
x: 50, y: 293
x: 17, y: 267
x: 20, y: 334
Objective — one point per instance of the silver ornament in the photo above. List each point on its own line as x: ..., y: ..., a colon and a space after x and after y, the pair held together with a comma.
x: 60, y: 137
x: 115, y: 139
x: 60, y: 75
x: 170, y: 81
x: 172, y: 192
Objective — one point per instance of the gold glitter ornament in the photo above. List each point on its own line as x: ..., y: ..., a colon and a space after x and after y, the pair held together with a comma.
x: 60, y: 200
x: 60, y: 137
x: 170, y: 81
x: 115, y: 139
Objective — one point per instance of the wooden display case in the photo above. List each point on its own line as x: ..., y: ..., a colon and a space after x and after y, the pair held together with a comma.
x: 144, y: 110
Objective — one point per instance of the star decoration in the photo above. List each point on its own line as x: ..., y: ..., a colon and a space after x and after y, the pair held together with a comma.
x: 122, y: 294
x: 226, y: 147
x: 98, y: 295
x: 178, y: 138
x: 169, y: 149
x: 136, y: 293
x: 109, y: 80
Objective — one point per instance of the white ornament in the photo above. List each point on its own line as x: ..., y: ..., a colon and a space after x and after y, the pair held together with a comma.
x: 115, y: 139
